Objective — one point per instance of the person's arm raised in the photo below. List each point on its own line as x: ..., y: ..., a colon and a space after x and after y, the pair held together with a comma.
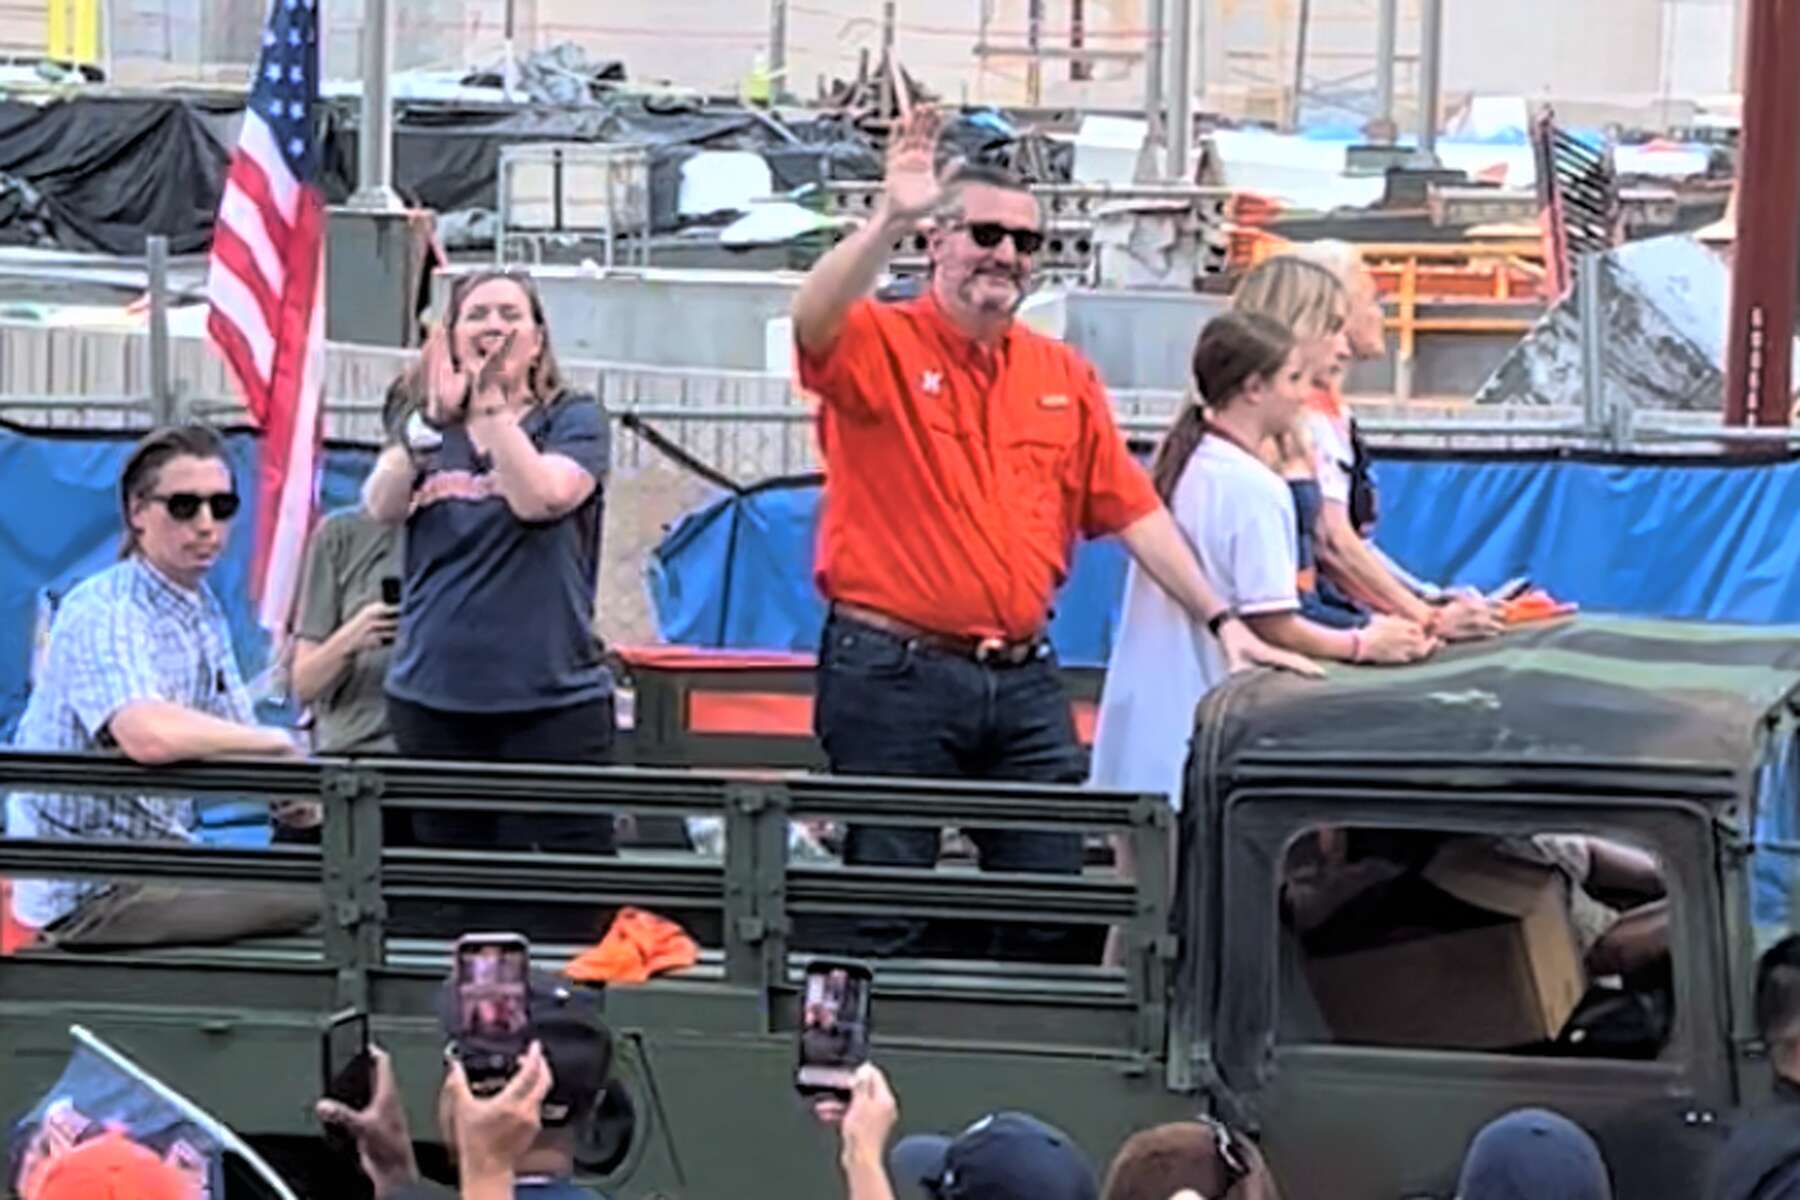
x: 383, y: 1139
x: 852, y: 268
x: 867, y: 1124
x: 537, y: 485
x: 494, y: 1132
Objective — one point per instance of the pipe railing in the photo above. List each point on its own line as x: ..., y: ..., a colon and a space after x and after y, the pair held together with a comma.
x: 753, y: 889
x: 1648, y: 428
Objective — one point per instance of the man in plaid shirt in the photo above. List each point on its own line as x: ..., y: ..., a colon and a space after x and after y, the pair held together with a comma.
x: 140, y: 661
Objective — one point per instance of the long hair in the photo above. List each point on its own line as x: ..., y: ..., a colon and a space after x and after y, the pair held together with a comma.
x: 143, y: 469
x: 545, y: 379
x: 1234, y: 349
x: 1303, y: 296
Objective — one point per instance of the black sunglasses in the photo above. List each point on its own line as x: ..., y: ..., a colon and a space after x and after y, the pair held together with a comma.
x: 185, y: 506
x: 988, y: 234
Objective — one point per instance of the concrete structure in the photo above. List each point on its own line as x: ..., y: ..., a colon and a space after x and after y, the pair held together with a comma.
x: 735, y: 321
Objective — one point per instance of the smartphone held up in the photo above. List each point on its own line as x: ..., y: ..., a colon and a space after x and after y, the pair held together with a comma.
x: 493, y: 1007
x: 834, y: 1027
x: 347, y: 1072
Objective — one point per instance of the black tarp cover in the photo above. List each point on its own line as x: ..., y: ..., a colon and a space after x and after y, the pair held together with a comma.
x: 113, y: 170
x: 101, y: 173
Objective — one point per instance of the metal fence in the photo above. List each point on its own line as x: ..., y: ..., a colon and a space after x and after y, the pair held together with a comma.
x: 748, y: 425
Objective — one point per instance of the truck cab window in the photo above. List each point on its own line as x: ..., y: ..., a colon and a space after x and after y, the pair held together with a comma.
x: 1555, y: 944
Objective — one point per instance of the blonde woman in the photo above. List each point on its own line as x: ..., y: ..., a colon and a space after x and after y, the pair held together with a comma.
x: 1335, y: 317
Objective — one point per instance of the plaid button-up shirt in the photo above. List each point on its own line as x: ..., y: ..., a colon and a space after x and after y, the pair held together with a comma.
x: 127, y: 634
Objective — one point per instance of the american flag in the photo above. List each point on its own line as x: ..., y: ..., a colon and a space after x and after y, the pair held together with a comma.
x: 266, y: 287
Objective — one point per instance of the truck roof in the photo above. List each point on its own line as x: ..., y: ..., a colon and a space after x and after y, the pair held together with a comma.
x: 1586, y: 693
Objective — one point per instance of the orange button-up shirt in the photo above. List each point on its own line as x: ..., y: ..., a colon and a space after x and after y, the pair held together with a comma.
x: 957, y: 475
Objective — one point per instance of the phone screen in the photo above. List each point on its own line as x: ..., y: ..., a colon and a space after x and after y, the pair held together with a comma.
x: 834, y: 1026
x: 390, y: 589
x: 493, y: 1009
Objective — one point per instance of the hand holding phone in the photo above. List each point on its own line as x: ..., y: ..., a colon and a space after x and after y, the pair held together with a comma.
x: 833, y: 1028
x: 346, y: 1070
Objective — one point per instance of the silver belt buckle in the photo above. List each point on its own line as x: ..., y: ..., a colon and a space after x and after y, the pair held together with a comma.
x: 988, y: 647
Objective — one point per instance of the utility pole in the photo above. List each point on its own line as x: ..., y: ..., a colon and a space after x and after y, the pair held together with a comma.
x: 1387, y: 43
x: 162, y: 380
x: 777, y: 48
x: 1181, y: 99
x: 1758, y: 385
x: 375, y: 146
x: 1034, y: 41
x: 1152, y: 161
x: 1305, y: 20
x: 1431, y: 58
x: 509, y: 70
x: 1155, y: 47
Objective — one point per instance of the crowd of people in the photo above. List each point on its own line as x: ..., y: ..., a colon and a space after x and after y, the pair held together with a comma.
x: 452, y: 617
x: 521, y: 1139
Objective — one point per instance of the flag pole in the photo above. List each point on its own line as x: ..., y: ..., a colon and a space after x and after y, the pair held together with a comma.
x: 193, y: 1112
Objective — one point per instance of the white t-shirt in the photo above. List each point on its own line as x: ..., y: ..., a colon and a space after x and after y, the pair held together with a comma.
x: 1332, y: 454
x: 1239, y: 517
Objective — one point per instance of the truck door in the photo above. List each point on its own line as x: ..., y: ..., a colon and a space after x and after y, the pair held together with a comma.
x: 1398, y: 966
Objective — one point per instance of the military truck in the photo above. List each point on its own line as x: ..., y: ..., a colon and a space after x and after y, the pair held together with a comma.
x: 1363, y: 1040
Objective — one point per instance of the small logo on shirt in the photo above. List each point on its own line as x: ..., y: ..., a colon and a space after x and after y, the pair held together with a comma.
x: 1053, y: 400
x: 931, y: 382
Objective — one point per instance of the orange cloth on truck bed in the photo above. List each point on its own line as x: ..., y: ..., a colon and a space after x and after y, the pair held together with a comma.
x: 1534, y: 606
x: 639, y: 944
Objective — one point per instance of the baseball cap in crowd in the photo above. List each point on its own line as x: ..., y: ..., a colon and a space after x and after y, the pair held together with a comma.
x: 1004, y: 1156
x: 566, y: 1020
x: 113, y: 1167
x: 1533, y: 1154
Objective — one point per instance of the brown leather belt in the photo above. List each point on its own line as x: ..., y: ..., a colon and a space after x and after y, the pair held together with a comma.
x: 990, y: 650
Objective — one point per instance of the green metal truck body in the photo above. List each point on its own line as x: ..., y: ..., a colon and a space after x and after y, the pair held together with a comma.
x: 1667, y: 736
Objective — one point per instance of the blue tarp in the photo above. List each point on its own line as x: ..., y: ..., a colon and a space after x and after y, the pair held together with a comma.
x: 1645, y: 537
x: 1642, y: 536
x: 62, y: 524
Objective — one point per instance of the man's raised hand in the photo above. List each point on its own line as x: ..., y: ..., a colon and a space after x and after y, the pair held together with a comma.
x: 914, y: 189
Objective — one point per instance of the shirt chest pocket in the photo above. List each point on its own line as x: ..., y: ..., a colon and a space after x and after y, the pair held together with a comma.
x: 1044, y: 465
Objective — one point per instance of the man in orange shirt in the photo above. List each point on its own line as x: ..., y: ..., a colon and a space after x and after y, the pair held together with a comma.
x: 963, y: 454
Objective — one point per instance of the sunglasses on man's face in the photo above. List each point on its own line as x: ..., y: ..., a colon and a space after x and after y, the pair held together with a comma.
x: 185, y: 506
x: 988, y: 234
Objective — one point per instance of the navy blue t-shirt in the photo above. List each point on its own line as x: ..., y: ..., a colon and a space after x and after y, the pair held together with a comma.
x: 497, y: 614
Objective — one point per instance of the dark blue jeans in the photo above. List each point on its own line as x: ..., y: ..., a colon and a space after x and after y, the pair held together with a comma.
x: 890, y: 706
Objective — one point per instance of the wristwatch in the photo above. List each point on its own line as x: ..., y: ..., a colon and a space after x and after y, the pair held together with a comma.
x: 1217, y: 621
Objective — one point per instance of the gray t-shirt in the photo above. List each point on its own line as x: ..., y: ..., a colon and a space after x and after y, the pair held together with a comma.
x: 498, y: 613
x: 350, y: 554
